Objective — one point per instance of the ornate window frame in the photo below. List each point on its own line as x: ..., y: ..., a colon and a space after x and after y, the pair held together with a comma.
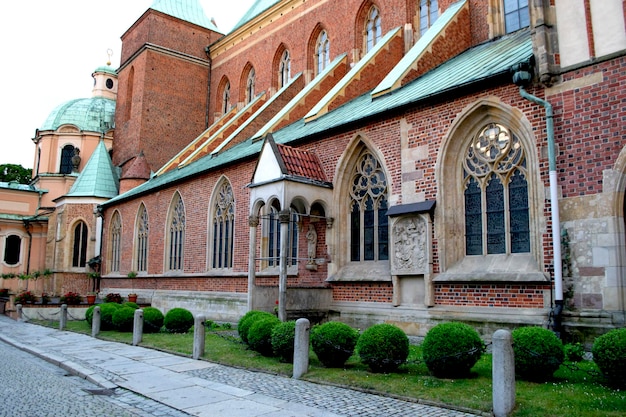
x: 450, y: 226
x: 222, y: 219
x: 142, y: 233
x: 175, y: 241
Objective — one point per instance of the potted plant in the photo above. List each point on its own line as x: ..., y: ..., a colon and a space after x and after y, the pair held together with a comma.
x: 4, y: 292
x: 45, y: 298
x: 91, y: 298
x: 71, y: 298
x: 132, y: 297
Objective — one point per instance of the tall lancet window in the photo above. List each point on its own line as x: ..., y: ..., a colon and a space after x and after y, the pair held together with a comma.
x: 142, y: 239
x: 223, y: 227
x: 176, y: 236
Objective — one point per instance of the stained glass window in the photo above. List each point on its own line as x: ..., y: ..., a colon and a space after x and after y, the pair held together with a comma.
x: 496, y: 194
x: 369, y: 238
x: 142, y: 239
x: 223, y: 227
x: 177, y: 235
x: 116, y: 241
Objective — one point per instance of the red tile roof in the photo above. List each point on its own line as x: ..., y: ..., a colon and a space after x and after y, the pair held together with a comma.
x: 301, y: 163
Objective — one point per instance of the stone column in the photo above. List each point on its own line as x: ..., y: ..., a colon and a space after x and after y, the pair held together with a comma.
x: 199, y: 332
x: 253, y: 222
x: 301, y: 348
x: 284, y: 216
x: 63, y: 318
x: 138, y: 327
x: 503, y: 364
x: 95, y: 322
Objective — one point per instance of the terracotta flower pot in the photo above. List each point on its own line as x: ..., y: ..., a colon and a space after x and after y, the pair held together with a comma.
x: 91, y: 299
x: 132, y: 298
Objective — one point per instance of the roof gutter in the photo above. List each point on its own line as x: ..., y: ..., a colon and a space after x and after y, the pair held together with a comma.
x: 521, y: 77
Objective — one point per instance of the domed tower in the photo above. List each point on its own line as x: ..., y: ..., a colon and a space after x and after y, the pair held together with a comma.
x: 71, y: 133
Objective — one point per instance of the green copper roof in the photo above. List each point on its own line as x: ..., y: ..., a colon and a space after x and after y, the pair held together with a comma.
x: 188, y: 10
x: 106, y: 69
x: 488, y: 61
x: 99, y: 177
x: 96, y: 114
x: 258, y: 7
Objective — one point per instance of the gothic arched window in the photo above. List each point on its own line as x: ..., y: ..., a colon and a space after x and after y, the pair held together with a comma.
x: 223, y: 227
x: 322, y: 51
x: 79, y: 246
x: 496, y: 194
x: 373, y: 31
x: 226, y: 98
x: 176, y: 236
x: 284, y: 69
x: 142, y: 239
x: 250, y: 86
x: 369, y: 233
x: 116, y: 241
x: 428, y: 10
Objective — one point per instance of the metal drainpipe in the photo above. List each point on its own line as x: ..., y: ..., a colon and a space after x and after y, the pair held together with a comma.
x: 521, y: 77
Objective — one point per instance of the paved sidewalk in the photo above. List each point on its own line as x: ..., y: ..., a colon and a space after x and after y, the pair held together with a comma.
x: 201, y: 388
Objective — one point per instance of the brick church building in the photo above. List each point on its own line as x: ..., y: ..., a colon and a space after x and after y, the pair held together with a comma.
x: 401, y: 161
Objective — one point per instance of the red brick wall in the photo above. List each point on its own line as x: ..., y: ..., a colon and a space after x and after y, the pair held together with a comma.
x: 364, y: 292
x: 491, y: 295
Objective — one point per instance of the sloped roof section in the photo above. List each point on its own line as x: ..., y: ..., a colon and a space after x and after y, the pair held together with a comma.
x: 139, y: 169
x: 99, y: 177
x: 258, y: 7
x: 423, y: 46
x: 485, y: 62
x: 188, y: 10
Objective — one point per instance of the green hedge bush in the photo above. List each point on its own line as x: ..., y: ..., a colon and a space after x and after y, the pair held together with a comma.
x: 178, y: 320
x: 283, y: 338
x: 131, y: 305
x: 123, y: 319
x: 538, y: 353
x: 247, y: 320
x: 260, y: 335
x: 89, y: 315
x: 450, y: 350
x: 609, y: 353
x: 333, y: 343
x: 383, y: 347
x: 106, y: 315
x: 152, y: 320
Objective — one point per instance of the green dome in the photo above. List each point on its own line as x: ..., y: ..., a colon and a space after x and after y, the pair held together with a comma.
x: 106, y: 69
x: 96, y: 114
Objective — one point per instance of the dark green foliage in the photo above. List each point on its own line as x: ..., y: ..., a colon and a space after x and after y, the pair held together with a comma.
x: 574, y: 352
x: 89, y: 315
x: 152, y: 320
x: 283, y: 337
x: 450, y: 350
x: 14, y: 172
x: 334, y: 343
x: 260, y: 335
x: 609, y: 353
x: 383, y: 347
x: 178, y: 320
x: 123, y: 319
x: 106, y: 315
x: 248, y: 320
x: 131, y: 305
x: 538, y: 353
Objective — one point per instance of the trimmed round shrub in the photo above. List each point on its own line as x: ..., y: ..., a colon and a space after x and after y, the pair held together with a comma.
x: 247, y: 320
x: 538, y: 353
x: 260, y: 335
x: 89, y: 315
x: 106, y: 315
x: 123, y: 319
x: 609, y: 353
x: 152, y: 320
x: 450, y: 350
x: 131, y: 305
x: 574, y: 352
x: 383, y: 347
x: 283, y: 337
x: 333, y: 343
x: 178, y: 320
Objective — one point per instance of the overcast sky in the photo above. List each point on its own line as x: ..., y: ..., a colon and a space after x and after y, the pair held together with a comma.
x: 51, y: 47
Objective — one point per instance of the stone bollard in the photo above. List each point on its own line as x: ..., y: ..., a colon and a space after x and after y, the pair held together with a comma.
x: 301, y: 348
x: 95, y: 322
x: 63, y: 319
x: 18, y: 310
x: 198, y: 337
x: 503, y: 364
x: 138, y: 327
